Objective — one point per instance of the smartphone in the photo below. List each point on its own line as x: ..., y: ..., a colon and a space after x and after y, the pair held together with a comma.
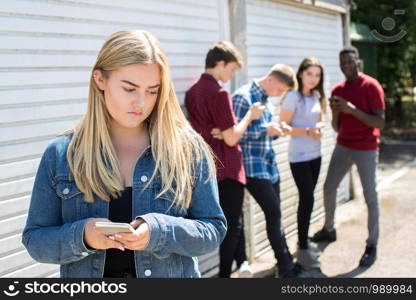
x: 285, y: 127
x: 110, y: 228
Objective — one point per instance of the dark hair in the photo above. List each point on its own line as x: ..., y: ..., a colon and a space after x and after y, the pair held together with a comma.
x: 349, y: 49
x: 223, y: 51
x: 304, y: 65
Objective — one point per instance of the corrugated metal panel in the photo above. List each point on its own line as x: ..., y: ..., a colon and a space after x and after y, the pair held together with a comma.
x: 47, y: 51
x: 322, y: 5
x: 340, y: 3
x: 281, y: 33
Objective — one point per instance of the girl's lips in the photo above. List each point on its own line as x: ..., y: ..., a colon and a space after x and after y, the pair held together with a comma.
x: 136, y: 113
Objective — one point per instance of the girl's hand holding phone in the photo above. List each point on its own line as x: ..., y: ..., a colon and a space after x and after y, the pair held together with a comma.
x: 316, y: 132
x: 137, y: 240
x: 96, y: 239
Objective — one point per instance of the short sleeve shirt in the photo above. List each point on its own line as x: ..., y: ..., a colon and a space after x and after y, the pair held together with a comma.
x: 366, y: 94
x: 307, y: 111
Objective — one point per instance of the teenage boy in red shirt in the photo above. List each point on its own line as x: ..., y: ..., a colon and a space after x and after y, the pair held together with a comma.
x: 358, y: 116
x: 209, y: 106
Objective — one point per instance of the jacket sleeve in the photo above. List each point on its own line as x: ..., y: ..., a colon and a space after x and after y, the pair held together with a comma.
x: 200, y: 232
x: 45, y: 237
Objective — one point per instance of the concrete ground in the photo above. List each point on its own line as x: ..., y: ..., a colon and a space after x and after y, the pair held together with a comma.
x: 396, y: 250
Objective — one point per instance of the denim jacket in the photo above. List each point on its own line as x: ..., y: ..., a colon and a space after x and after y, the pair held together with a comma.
x: 58, y: 213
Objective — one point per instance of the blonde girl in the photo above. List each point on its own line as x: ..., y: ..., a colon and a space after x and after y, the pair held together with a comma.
x: 135, y: 159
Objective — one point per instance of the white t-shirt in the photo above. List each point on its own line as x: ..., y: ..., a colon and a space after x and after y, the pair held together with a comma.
x: 307, y: 110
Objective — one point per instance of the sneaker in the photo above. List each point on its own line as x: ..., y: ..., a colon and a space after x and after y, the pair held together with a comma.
x: 325, y: 236
x: 313, y: 244
x: 244, y: 271
x: 314, y: 249
x: 307, y: 259
x: 369, y: 256
x: 296, y: 272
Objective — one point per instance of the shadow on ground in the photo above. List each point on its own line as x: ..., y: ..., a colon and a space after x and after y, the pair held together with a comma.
x: 397, y: 153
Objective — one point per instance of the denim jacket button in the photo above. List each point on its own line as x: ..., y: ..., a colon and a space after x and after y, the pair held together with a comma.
x: 147, y: 272
x: 84, y: 254
x: 143, y: 178
x: 65, y: 191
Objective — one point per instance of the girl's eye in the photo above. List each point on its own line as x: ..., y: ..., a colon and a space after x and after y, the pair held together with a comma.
x: 128, y: 90
x: 153, y: 92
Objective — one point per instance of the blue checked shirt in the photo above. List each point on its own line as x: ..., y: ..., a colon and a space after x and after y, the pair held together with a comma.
x: 258, y: 156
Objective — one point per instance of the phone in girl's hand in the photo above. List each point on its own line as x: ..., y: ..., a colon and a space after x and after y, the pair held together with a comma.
x: 110, y: 228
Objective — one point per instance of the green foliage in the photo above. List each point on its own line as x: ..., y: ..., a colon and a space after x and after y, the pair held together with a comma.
x: 401, y: 118
x: 397, y: 60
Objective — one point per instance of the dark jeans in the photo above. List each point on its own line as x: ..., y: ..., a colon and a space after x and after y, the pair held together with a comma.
x: 306, y: 176
x: 267, y: 195
x: 240, y: 252
x: 231, y: 194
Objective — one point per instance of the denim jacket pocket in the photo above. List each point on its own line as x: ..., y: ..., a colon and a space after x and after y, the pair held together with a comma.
x: 67, y: 189
x: 164, y: 203
x: 74, y: 206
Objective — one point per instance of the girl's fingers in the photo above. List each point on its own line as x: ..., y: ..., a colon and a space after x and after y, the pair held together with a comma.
x: 131, y: 246
x: 134, y: 241
x: 110, y: 243
x: 128, y: 237
x: 135, y: 246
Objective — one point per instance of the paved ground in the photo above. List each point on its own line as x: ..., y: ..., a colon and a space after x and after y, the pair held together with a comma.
x: 396, y: 251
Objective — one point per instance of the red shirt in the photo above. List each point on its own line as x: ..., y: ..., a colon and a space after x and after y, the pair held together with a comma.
x: 365, y: 93
x: 209, y: 106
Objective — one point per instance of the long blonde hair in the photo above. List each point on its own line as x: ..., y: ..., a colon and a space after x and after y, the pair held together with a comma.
x: 176, y: 147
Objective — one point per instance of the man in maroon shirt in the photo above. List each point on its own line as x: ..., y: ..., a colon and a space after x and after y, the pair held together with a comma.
x: 358, y: 116
x: 209, y: 106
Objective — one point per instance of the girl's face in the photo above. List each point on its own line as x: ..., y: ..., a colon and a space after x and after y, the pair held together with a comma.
x: 130, y: 93
x: 311, y: 77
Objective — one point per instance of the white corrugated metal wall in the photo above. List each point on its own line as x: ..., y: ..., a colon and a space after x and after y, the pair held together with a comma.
x: 278, y: 32
x: 47, y: 50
